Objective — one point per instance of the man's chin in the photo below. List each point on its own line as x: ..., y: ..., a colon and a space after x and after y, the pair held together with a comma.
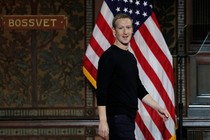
x: 125, y: 44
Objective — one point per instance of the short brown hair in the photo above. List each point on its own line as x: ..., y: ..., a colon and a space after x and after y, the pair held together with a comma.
x: 119, y: 16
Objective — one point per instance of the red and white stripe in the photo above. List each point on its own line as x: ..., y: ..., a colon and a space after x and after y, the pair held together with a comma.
x: 155, y: 69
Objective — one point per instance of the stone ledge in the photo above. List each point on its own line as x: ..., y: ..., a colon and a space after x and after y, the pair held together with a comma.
x: 196, y: 122
x: 48, y: 123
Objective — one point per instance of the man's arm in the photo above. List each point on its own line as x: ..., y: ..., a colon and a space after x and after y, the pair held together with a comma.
x: 153, y: 104
x: 103, y: 125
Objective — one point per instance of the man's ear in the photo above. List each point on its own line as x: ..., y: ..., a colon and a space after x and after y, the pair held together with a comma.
x: 113, y: 31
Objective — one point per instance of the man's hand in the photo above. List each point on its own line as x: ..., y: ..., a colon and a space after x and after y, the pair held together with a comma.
x: 163, y: 114
x: 103, y: 129
x: 153, y: 104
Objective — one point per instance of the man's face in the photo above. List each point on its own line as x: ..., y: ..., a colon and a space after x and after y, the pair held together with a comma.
x: 123, y: 31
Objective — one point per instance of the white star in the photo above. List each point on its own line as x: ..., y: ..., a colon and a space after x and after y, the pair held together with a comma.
x: 144, y: 14
x: 145, y: 3
x: 131, y: 11
x: 137, y: 2
x: 137, y: 12
x: 131, y: 1
x: 137, y: 23
x: 125, y: 10
x: 118, y: 9
x: 125, y: 1
x: 150, y: 5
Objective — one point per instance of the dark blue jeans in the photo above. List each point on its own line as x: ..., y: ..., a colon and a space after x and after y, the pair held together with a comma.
x: 121, y: 127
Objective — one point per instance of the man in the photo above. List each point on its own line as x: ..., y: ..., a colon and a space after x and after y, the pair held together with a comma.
x: 119, y: 86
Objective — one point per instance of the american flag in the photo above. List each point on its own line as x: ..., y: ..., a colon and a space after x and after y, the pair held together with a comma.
x: 154, y: 63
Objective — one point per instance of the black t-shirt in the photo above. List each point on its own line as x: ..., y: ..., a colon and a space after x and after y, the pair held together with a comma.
x: 118, y: 83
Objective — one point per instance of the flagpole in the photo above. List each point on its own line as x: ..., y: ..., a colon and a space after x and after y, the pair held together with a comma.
x: 180, y: 59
